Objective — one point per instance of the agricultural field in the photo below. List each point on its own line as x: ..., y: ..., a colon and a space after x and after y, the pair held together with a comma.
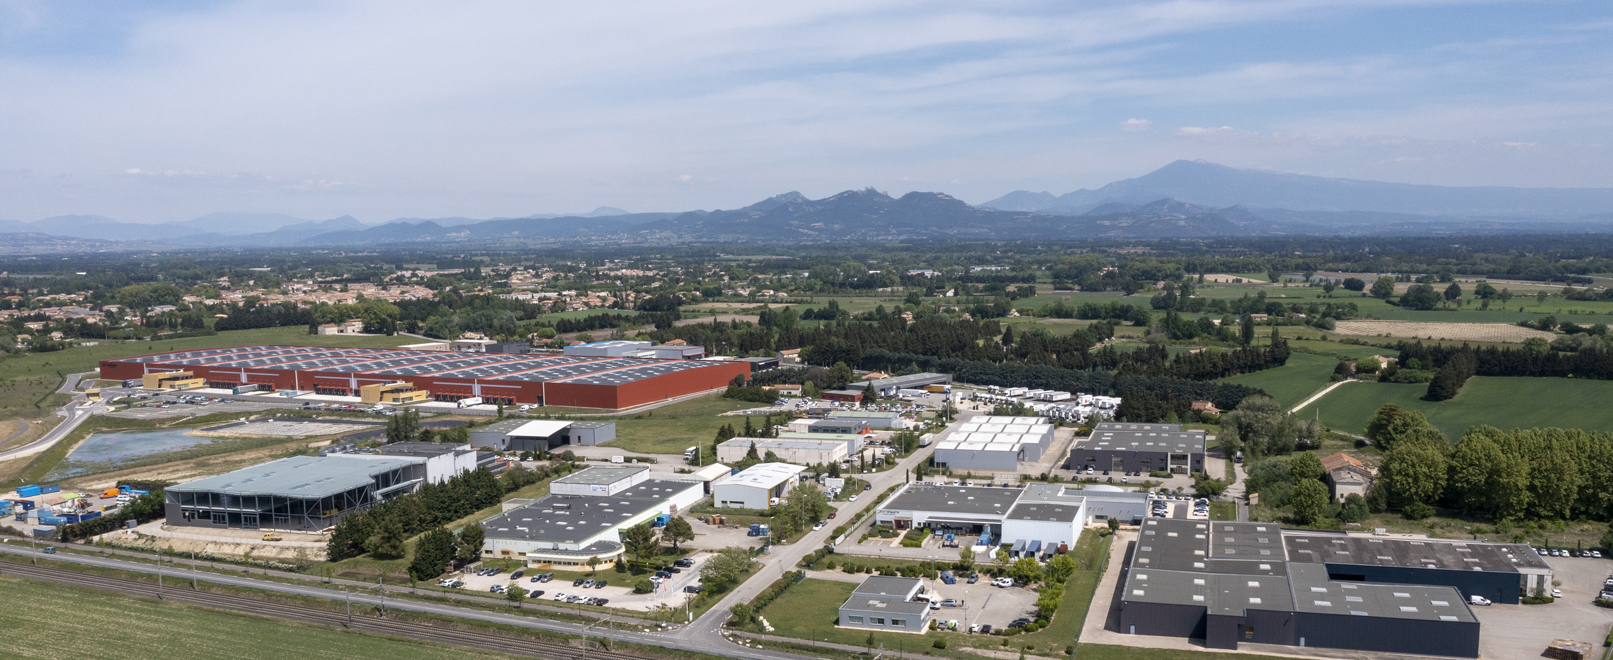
x: 1504, y: 403
x: 28, y: 380
x: 140, y: 629
x: 1485, y: 332
x: 1293, y: 382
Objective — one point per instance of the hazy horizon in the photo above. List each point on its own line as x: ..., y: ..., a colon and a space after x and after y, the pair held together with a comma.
x: 168, y: 112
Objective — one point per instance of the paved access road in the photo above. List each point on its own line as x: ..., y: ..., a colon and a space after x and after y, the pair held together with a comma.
x: 784, y: 558
x: 76, y: 411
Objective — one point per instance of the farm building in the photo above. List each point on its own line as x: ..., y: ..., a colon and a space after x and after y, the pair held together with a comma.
x: 566, y: 530
x: 788, y: 450
x: 300, y: 493
x: 994, y: 443
x: 541, y: 434
x: 586, y: 381
x: 756, y: 486
x: 887, y: 603
x: 1128, y: 447
x: 1231, y: 582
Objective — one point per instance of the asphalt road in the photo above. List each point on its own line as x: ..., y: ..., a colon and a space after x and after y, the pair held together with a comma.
x: 784, y: 558
x: 75, y: 412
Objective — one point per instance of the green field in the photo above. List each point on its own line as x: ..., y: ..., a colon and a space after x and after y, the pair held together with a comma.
x: 674, y: 428
x: 1291, y: 383
x: 27, y: 379
x: 1504, y: 403
x: 139, y: 629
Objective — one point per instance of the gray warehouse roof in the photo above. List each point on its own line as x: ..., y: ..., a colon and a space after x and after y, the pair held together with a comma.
x: 1223, y: 594
x: 1156, y: 441
x: 911, y: 380
x: 955, y: 499
x: 1044, y: 511
x: 1133, y: 426
x: 601, y: 475
x: 1313, y: 592
x: 298, y: 476
x: 1446, y: 554
x: 574, y: 518
x: 887, y: 585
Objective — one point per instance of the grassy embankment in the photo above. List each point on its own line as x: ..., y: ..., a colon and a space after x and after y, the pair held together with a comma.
x: 148, y: 629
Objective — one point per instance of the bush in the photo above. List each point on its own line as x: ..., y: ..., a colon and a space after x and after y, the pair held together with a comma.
x: 643, y: 586
x: 1417, y: 511
x: 1537, y: 600
x: 940, y: 643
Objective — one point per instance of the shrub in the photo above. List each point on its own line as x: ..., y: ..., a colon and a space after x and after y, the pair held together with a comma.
x: 1417, y: 511
x: 940, y: 643
x: 643, y: 586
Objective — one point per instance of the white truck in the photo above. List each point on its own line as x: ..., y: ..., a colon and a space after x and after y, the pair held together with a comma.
x: 471, y: 401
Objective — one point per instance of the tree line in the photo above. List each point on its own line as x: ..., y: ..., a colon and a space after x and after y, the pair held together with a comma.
x: 1455, y: 364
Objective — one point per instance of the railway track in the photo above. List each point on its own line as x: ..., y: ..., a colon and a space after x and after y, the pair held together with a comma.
x: 487, y: 641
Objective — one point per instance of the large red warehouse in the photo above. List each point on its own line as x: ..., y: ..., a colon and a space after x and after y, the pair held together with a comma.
x: 556, y: 380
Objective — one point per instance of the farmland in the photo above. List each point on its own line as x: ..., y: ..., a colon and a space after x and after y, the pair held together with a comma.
x: 150, y: 629
x: 1504, y: 403
x: 1490, y: 332
x: 1291, y: 383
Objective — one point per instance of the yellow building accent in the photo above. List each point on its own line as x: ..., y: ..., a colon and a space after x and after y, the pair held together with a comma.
x: 392, y: 393
x: 92, y: 394
x: 172, y: 380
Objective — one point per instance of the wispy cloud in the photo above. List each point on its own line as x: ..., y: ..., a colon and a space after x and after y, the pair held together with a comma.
x: 384, y: 109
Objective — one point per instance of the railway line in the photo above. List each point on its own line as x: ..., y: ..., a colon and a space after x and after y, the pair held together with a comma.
x: 487, y: 641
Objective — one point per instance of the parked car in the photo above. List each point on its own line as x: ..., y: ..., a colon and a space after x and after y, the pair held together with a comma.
x: 558, y: 595
x: 601, y: 584
x: 684, y: 562
x: 1478, y: 600
x: 577, y: 582
x: 950, y: 602
x: 1019, y: 623
x: 820, y: 525
x: 692, y: 589
x: 974, y: 577
x: 535, y: 593
x: 985, y: 629
x: 517, y: 575
x: 588, y: 584
x: 1556, y: 593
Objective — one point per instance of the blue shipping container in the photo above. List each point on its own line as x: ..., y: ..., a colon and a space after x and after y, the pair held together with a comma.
x: 28, y: 491
x: 52, y: 520
x: 50, y: 489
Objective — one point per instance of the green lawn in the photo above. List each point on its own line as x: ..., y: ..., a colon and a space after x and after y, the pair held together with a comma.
x: 1291, y: 383
x: 674, y: 428
x: 27, y: 377
x: 1504, y: 403
x: 152, y: 629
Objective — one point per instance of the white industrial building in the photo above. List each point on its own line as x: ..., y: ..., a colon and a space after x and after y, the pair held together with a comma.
x: 443, y: 461
x: 789, y: 450
x: 601, y: 480
x: 541, y: 434
x: 994, y: 443
x: 568, y: 529
x: 1041, y: 516
x: 876, y: 420
x: 756, y: 486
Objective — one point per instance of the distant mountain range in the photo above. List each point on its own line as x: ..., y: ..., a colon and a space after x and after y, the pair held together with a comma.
x: 1185, y: 199
x: 1218, y: 185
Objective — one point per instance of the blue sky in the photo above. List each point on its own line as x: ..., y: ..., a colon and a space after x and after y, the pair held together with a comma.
x: 159, y: 111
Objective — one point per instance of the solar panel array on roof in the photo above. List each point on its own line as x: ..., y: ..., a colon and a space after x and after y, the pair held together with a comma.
x: 192, y: 354
x: 196, y: 360
x: 631, y: 374
x: 505, y: 368
x: 584, y: 365
x: 450, y: 365
x: 375, y: 361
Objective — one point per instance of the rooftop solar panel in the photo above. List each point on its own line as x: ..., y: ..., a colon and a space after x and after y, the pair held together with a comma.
x: 630, y: 374
x: 570, y: 369
x: 391, y: 360
x: 449, y: 365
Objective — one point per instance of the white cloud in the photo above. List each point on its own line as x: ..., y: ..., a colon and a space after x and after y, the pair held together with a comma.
x: 1136, y: 125
x: 1213, y: 132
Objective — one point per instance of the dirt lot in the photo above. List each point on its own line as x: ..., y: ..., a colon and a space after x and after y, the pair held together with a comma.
x: 1453, y: 331
x: 709, y: 537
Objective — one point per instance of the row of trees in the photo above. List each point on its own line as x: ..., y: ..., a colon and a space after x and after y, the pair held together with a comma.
x: 1455, y: 364
x: 1552, y: 474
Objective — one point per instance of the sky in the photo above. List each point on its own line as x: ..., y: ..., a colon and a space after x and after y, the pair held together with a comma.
x: 164, y: 111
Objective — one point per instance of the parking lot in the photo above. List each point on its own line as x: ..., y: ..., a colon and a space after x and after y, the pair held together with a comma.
x: 618, y: 590
x: 1523, y: 631
x: 982, y: 603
